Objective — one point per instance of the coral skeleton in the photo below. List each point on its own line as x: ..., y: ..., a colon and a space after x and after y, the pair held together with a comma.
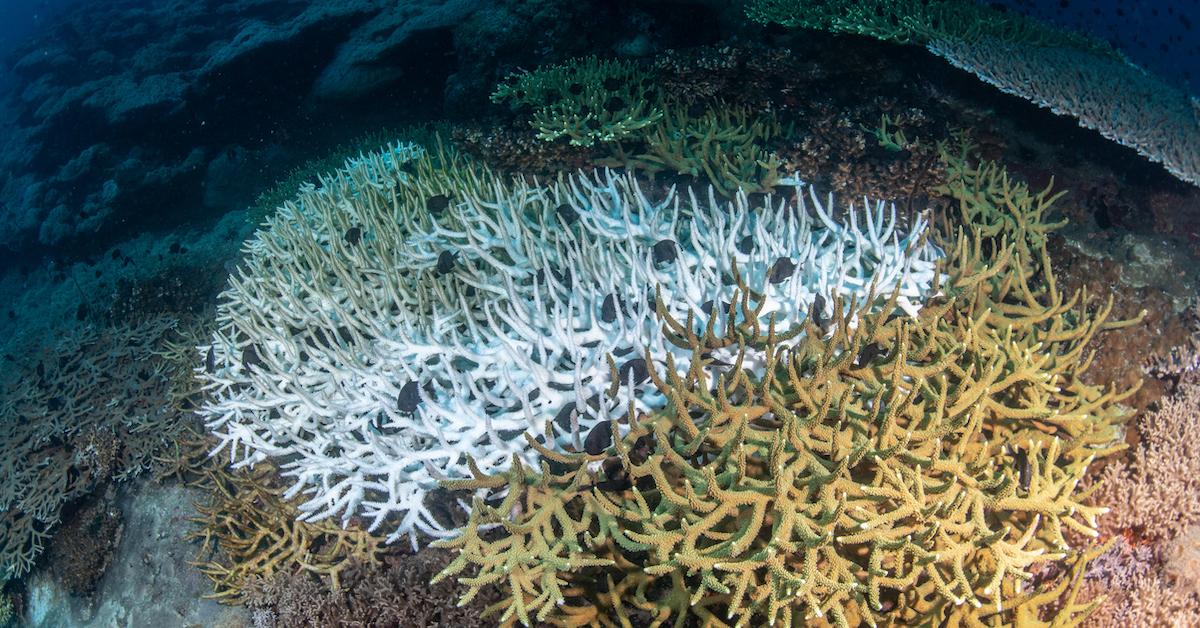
x: 416, y: 318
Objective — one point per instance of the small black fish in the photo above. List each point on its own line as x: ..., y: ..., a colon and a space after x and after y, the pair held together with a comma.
x: 437, y: 204
x: 664, y: 252
x: 250, y: 357
x: 1024, y: 469
x: 746, y: 245
x: 210, y: 361
x: 781, y: 270
x: 563, y: 278
x: 563, y: 418
x: 817, y: 311
x: 707, y: 307
x: 567, y: 213
x: 616, y: 476
x: 445, y: 263
x: 869, y: 353
x: 353, y: 236
x: 636, y: 367
x: 409, y: 398
x: 642, y: 448
x: 599, y: 438
x: 608, y: 309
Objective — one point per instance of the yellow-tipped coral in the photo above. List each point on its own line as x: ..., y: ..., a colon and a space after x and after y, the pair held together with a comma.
x: 872, y: 468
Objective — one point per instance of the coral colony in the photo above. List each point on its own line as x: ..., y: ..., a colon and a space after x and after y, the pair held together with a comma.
x: 409, y: 320
x: 666, y: 383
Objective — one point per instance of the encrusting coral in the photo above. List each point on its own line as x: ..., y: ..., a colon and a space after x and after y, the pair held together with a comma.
x: 416, y: 311
x: 868, y: 467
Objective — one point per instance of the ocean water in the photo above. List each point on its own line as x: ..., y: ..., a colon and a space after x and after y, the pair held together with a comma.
x: 449, y: 312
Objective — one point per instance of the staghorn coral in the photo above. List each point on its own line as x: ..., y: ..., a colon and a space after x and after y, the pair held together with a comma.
x: 725, y: 146
x: 877, y: 469
x: 416, y: 310
x: 249, y: 531
x: 996, y: 204
x: 94, y: 409
x: 1104, y: 93
x: 585, y: 100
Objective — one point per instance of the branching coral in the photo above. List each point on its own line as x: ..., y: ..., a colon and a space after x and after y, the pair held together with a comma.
x: 586, y: 100
x: 1157, y: 492
x: 249, y: 531
x: 725, y: 146
x: 95, y: 408
x: 413, y: 311
x: 589, y: 100
x: 874, y: 469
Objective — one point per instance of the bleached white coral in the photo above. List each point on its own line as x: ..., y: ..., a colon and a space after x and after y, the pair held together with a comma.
x: 404, y: 315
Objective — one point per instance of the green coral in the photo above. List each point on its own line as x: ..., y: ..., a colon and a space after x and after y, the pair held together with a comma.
x: 876, y: 469
x: 618, y: 108
x: 996, y: 204
x: 586, y: 100
x: 889, y: 136
x: 915, y: 22
x: 726, y: 146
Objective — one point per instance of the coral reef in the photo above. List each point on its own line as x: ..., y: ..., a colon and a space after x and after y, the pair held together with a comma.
x: 396, y: 592
x: 915, y: 22
x: 1108, y: 94
x: 374, y: 383
x: 869, y: 467
x: 586, y: 100
x: 95, y: 408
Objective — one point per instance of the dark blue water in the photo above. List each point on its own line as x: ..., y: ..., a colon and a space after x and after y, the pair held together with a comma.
x: 1162, y: 36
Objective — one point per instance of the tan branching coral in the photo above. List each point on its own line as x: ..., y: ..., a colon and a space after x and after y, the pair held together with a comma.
x: 872, y: 468
x: 248, y: 530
